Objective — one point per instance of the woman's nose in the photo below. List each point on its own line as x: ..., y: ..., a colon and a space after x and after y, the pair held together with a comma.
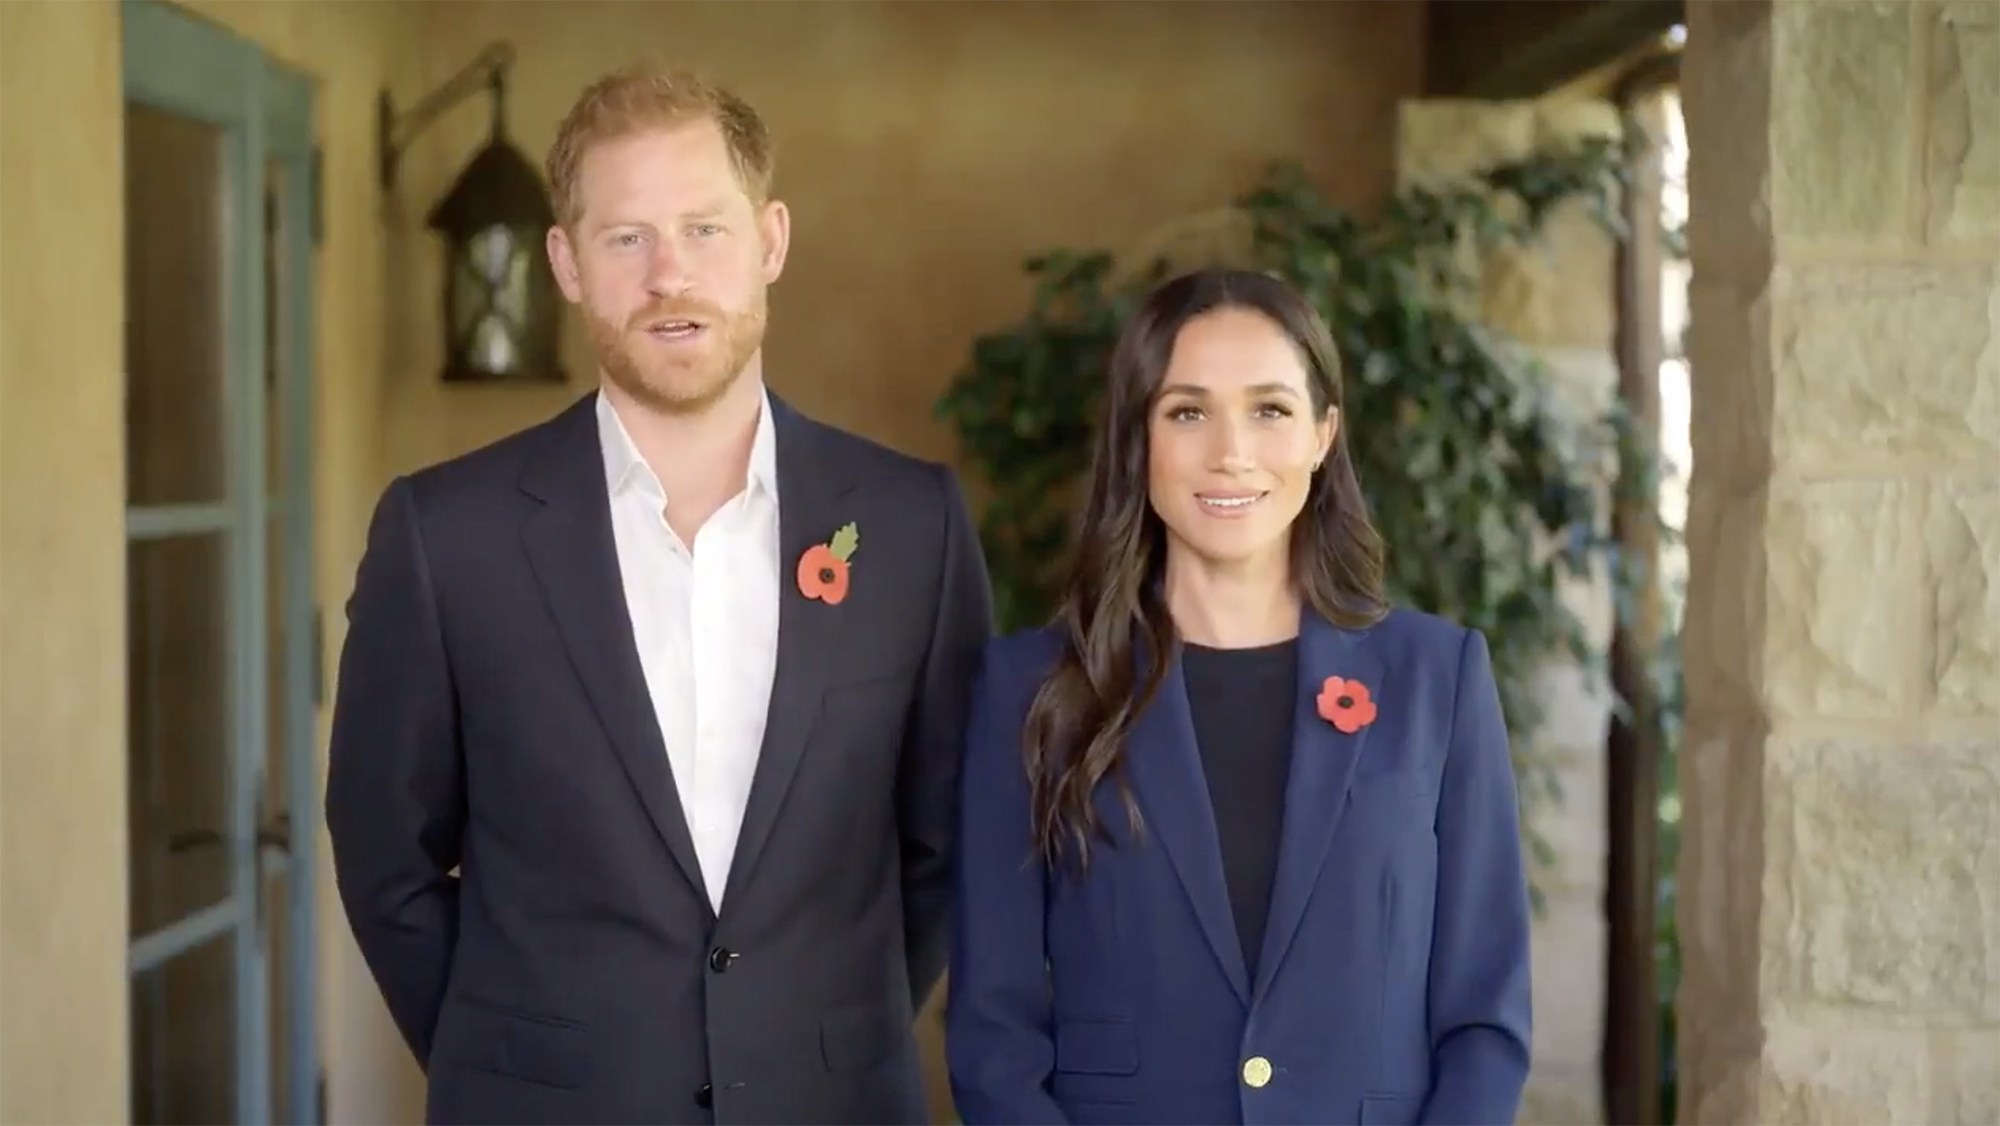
x: 1232, y: 453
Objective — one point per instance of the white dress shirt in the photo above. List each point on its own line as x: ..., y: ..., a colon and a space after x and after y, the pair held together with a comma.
x: 705, y: 616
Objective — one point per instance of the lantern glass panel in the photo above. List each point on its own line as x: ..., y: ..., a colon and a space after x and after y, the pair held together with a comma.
x: 492, y: 296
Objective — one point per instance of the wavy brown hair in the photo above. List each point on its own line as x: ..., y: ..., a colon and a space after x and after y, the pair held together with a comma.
x: 1118, y: 636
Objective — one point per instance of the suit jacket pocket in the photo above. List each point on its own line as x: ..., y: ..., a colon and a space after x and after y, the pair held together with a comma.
x: 858, y: 1037
x: 551, y: 1051
x: 1096, y: 1047
x: 1097, y: 1062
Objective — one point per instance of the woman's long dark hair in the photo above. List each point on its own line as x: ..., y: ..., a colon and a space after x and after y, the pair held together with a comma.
x: 1114, y: 612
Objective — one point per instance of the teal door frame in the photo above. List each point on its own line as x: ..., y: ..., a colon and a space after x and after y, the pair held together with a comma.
x: 177, y: 62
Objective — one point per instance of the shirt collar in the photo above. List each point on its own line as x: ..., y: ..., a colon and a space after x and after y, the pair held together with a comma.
x: 624, y: 467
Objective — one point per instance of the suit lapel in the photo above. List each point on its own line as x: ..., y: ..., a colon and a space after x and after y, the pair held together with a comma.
x: 812, y: 488
x: 1322, y: 768
x: 575, y: 559
x: 1165, y: 768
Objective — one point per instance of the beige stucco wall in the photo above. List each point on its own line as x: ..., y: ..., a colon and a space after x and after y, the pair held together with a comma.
x: 62, y: 704
x: 63, y: 990
x: 926, y: 148
x: 1840, y: 877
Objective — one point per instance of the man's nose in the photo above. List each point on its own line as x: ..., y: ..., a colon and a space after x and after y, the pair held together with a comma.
x: 667, y: 274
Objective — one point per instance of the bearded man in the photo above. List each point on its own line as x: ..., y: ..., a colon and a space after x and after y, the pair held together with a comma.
x: 646, y: 741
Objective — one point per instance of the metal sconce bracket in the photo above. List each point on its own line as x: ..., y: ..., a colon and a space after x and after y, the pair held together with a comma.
x: 394, y: 131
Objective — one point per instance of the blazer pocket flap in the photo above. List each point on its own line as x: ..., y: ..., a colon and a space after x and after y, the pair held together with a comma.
x: 1097, y: 1047
x: 545, y: 1050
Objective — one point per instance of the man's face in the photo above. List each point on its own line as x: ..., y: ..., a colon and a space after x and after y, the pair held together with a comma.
x: 670, y: 258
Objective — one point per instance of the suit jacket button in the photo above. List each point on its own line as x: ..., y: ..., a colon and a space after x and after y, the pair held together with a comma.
x: 720, y: 957
x: 704, y: 1096
x: 1256, y: 1071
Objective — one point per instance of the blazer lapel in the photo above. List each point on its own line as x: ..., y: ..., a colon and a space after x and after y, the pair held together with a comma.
x: 575, y: 558
x: 812, y: 486
x: 1322, y: 768
x: 1165, y: 767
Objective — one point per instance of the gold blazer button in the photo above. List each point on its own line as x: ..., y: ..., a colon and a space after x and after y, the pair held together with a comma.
x: 1256, y: 1071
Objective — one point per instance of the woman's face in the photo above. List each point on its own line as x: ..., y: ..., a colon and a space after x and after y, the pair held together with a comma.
x: 1233, y: 441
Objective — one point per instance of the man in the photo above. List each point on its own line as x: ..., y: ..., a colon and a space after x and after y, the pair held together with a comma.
x: 649, y: 717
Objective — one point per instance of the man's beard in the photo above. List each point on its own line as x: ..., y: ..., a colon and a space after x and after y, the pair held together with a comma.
x: 686, y: 381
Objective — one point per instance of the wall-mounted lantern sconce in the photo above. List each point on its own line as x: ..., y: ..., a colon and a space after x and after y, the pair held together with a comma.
x: 502, y: 311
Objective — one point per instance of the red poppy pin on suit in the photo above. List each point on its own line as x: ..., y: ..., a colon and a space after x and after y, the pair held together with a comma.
x: 1345, y: 704
x: 823, y: 569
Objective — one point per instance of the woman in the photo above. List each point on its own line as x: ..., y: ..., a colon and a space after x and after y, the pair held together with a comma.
x: 1239, y: 843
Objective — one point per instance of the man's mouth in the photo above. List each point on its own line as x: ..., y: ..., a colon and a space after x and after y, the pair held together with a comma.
x: 675, y: 329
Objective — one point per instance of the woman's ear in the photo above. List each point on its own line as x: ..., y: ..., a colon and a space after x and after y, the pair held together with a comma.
x: 1329, y: 428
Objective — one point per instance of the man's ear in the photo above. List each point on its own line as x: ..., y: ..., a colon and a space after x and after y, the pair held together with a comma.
x: 774, y: 228
x: 562, y: 263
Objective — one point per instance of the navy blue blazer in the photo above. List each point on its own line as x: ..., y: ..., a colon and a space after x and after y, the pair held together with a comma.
x: 1393, y: 983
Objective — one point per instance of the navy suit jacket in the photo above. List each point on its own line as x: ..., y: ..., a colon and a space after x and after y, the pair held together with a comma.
x: 1393, y: 983
x: 493, y: 718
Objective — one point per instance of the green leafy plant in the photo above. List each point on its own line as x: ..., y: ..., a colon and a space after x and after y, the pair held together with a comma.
x: 1488, y: 492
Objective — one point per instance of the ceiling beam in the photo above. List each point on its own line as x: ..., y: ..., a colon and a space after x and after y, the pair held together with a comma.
x: 1500, y: 49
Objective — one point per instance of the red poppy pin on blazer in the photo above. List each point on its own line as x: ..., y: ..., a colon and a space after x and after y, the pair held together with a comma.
x: 823, y: 569
x: 1345, y: 704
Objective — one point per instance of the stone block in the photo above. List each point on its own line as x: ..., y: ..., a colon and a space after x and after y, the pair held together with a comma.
x: 1584, y: 381
x: 1555, y: 291
x: 1720, y: 890
x: 1841, y: 99
x: 1551, y: 293
x: 1962, y: 544
x: 1576, y: 708
x: 1561, y: 120
x: 1723, y: 619
x: 1568, y: 946
x: 1726, y: 93
x: 1844, y: 602
x: 1587, y: 594
x: 1964, y: 1077
x: 1962, y: 159
x: 1814, y: 1074
x: 1722, y: 1090
x: 1565, y: 1097
x: 1882, y: 865
x: 1443, y: 140
x: 1884, y: 360
x: 1573, y: 826
x: 1729, y: 385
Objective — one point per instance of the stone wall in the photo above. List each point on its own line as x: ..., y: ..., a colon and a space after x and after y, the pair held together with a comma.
x: 1840, y: 873
x: 1557, y: 298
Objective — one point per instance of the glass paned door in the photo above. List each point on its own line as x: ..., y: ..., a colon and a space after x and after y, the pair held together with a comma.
x: 221, y: 645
